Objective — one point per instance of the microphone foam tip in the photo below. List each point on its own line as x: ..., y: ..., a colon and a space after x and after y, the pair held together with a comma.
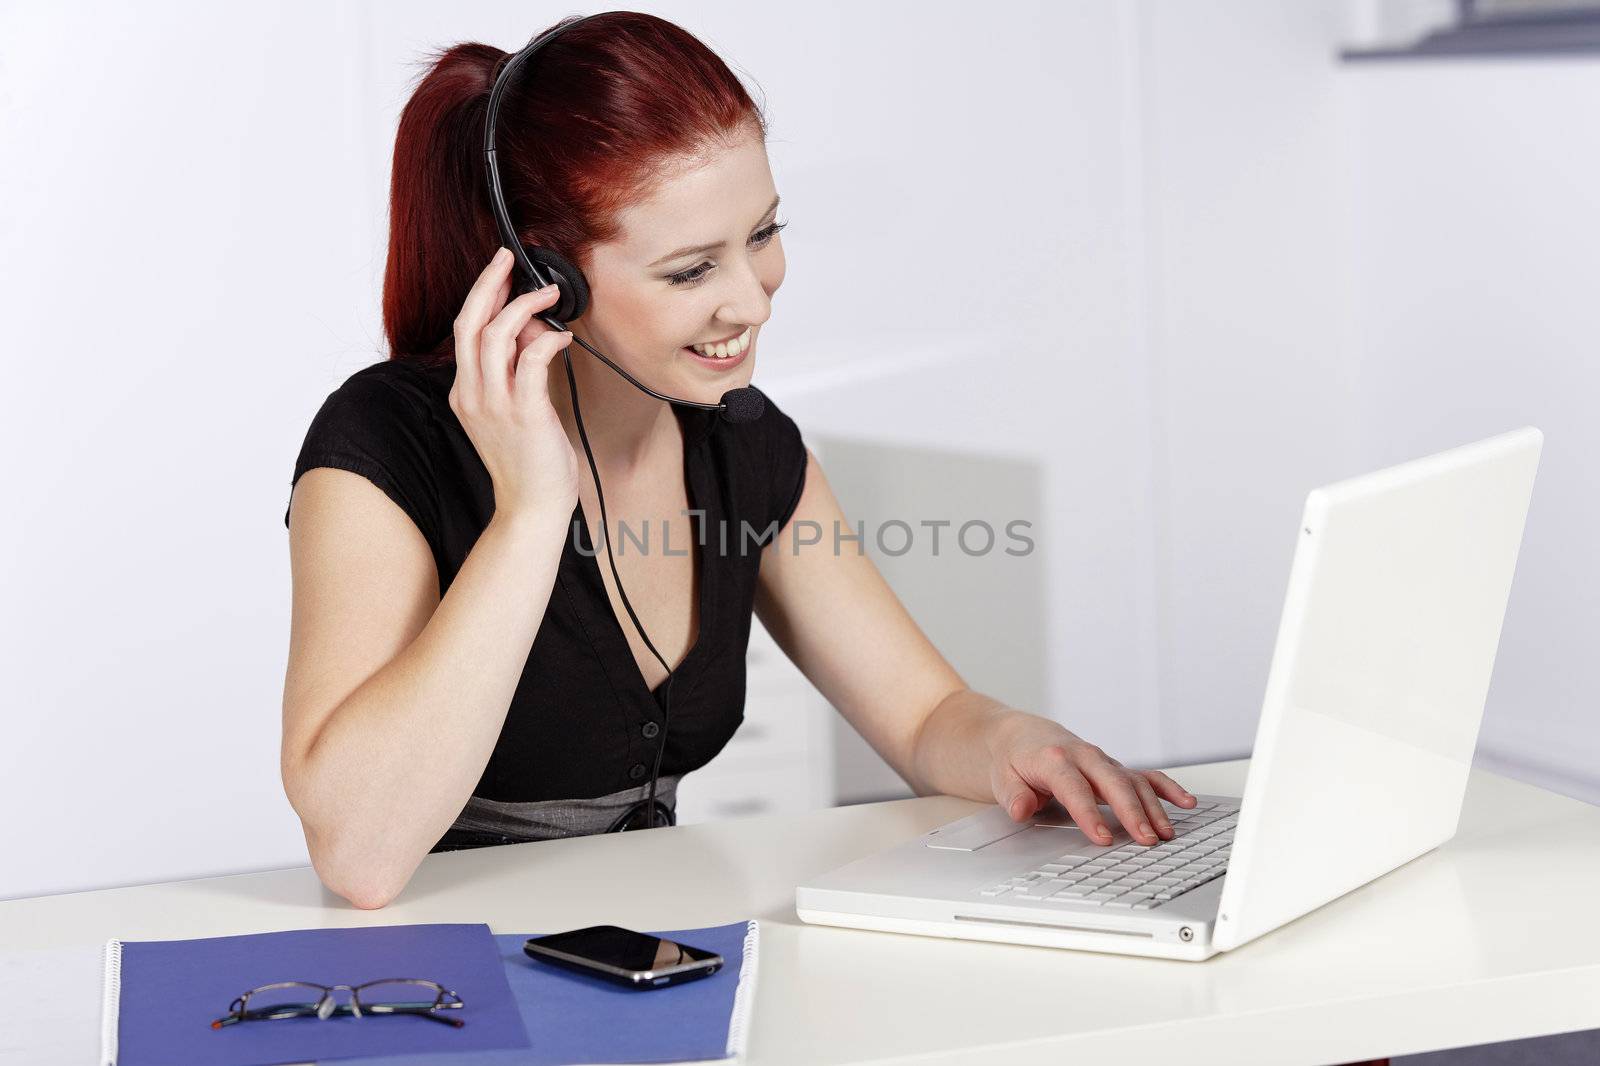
x: 743, y: 405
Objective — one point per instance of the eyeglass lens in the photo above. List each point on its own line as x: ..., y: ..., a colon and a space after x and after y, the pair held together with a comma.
x: 291, y: 998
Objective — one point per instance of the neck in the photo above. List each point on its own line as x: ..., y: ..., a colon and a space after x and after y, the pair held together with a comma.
x: 622, y: 423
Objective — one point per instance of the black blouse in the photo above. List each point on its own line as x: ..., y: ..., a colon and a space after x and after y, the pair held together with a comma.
x: 582, y: 722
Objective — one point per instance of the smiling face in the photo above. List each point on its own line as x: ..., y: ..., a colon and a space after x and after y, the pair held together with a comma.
x: 697, y: 263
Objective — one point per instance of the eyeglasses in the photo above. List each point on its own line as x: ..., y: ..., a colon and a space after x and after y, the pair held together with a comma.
x: 392, y: 995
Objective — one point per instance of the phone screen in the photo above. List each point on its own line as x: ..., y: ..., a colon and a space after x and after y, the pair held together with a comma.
x: 623, y: 948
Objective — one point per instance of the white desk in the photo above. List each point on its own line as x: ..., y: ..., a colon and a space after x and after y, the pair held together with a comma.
x: 1485, y: 939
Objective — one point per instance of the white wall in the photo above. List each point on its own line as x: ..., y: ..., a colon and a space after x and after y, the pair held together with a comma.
x: 1171, y: 255
x: 1478, y: 303
x: 183, y: 269
x: 1243, y: 319
x: 1347, y: 265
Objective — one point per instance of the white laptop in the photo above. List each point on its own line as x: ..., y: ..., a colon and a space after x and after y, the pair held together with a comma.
x: 1366, y: 737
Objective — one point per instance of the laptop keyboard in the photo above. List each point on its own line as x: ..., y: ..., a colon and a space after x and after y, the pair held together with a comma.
x: 1135, y: 876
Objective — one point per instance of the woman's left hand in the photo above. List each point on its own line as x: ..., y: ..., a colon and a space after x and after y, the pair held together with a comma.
x: 1033, y: 759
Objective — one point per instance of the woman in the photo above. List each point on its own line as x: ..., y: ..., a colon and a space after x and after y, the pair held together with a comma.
x: 462, y: 671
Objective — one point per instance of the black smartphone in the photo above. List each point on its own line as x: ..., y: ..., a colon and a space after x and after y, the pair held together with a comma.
x: 637, y: 960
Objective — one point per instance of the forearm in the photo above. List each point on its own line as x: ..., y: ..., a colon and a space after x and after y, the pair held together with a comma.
x: 397, y: 760
x: 952, y: 754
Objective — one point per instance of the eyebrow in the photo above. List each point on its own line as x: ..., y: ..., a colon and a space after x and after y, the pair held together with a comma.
x: 696, y: 249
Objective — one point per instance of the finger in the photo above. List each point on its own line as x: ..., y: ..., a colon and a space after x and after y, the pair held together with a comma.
x: 528, y: 379
x: 466, y: 392
x: 1052, y: 770
x: 469, y: 368
x: 1015, y: 795
x: 1170, y: 790
x: 536, y: 326
x: 485, y: 297
x: 1155, y: 814
x: 1114, y: 786
x: 498, y: 342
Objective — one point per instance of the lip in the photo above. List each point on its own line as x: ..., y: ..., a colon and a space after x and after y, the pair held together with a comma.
x: 722, y: 364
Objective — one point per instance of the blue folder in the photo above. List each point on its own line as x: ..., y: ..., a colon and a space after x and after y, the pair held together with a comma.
x: 160, y: 998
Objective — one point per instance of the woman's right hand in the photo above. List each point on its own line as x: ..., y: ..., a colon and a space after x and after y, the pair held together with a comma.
x: 502, y: 398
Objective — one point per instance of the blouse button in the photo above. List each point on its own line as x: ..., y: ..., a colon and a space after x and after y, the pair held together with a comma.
x: 637, y: 771
x: 651, y: 729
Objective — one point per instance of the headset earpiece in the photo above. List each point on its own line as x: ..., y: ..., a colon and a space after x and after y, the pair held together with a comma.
x: 574, y: 286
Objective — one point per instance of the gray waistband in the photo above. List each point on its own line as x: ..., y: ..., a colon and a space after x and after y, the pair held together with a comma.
x: 547, y: 819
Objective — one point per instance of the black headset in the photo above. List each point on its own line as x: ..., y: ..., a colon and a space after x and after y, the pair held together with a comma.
x: 535, y: 267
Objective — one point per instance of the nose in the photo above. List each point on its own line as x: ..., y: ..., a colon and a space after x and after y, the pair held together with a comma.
x: 746, y: 299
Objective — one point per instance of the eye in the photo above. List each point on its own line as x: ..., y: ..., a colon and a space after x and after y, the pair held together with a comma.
x: 759, y: 238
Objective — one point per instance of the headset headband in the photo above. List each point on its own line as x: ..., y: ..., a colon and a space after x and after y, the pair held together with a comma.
x: 497, y: 200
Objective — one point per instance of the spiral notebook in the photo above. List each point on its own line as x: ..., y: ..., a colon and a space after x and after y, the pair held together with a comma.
x: 546, y: 1016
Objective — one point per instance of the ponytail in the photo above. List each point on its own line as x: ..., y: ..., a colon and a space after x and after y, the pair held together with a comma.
x: 439, y: 219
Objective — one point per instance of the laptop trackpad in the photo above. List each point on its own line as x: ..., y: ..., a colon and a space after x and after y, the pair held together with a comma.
x: 987, y: 826
x: 974, y: 831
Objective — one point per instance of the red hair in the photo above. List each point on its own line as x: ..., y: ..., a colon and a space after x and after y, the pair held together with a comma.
x: 588, y: 126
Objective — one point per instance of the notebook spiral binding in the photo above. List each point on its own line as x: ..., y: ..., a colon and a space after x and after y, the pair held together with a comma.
x: 110, y: 1001
x: 744, y: 996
